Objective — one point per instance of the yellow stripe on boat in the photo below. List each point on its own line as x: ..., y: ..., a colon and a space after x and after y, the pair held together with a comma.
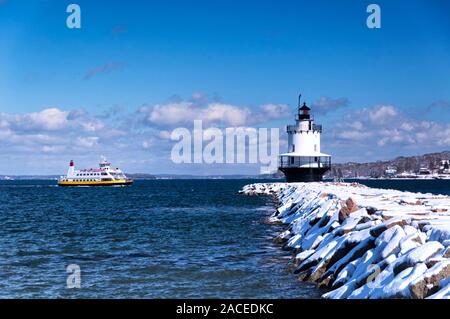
x: 96, y: 183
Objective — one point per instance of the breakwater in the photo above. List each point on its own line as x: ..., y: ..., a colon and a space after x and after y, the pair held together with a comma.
x: 361, y: 242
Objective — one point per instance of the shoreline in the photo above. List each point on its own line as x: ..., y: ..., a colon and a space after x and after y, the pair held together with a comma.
x: 360, y: 242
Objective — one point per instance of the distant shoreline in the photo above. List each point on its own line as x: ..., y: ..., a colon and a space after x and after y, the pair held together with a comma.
x: 152, y: 177
x: 224, y: 177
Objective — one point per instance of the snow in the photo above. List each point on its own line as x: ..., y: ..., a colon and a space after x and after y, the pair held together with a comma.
x: 444, y: 293
x: 391, y: 246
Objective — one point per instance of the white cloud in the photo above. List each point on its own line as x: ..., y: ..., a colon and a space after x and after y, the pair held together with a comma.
x: 147, y: 144
x: 354, y: 135
x: 327, y: 104
x: 382, y: 113
x: 52, y: 149
x: 172, y: 113
x: 48, y: 119
x: 360, y: 135
x: 184, y: 112
x: 87, y: 142
x: 388, y: 128
x: 165, y: 135
x: 92, y: 126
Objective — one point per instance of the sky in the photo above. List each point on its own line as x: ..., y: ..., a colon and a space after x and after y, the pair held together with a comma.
x: 136, y: 70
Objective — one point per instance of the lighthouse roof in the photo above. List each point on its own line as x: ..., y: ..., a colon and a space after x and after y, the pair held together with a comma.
x: 312, y: 154
x: 305, y: 108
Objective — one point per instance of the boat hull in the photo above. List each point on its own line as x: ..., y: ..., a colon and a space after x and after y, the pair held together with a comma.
x: 120, y: 182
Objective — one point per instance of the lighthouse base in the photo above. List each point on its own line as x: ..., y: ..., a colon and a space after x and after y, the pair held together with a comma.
x: 303, y: 174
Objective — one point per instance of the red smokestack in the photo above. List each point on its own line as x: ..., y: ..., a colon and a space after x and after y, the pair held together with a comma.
x: 71, y: 163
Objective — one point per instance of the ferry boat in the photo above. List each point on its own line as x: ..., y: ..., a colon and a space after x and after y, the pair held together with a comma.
x: 102, y: 176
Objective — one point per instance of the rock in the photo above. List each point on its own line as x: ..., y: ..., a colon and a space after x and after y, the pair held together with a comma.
x: 272, y: 221
x: 283, y: 237
x: 345, y: 274
x: 300, y: 257
x: 379, y: 229
x: 446, y: 253
x: 363, y: 274
x: 409, y: 243
x: 304, y: 275
x: 315, y: 258
x: 399, y: 286
x: 368, y: 224
x: 326, y: 282
x: 443, y: 293
x: 347, y: 225
x: 393, y: 245
x: 385, y: 236
x: 419, y: 255
x: 293, y: 242
x: 317, y: 242
x: 347, y: 207
x: 410, y: 230
x: 433, y: 261
x: 338, y: 261
x: 341, y: 292
x: 367, y: 246
x: 431, y: 278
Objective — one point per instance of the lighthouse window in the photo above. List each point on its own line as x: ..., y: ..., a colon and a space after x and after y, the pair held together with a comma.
x: 315, y: 147
x: 293, y: 148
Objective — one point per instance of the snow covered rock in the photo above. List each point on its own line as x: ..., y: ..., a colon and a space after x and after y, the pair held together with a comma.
x: 418, y: 255
x: 363, y: 242
x: 444, y: 290
x: 430, y: 279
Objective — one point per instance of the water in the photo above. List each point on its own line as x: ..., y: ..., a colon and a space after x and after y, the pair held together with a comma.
x: 155, y: 239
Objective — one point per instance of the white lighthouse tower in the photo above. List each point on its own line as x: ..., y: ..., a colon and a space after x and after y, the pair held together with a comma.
x: 304, y: 162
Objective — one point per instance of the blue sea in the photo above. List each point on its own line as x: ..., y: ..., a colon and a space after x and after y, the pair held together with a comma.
x: 155, y: 239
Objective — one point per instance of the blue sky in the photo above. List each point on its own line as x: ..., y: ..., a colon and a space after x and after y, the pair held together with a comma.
x: 102, y: 89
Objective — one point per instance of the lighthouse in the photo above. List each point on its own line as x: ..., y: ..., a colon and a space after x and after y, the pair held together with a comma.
x: 304, y: 161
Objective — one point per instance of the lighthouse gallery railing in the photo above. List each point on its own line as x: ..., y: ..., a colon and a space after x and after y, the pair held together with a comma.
x: 304, y: 161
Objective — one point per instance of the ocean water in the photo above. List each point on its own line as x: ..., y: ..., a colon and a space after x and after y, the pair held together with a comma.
x: 155, y: 239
